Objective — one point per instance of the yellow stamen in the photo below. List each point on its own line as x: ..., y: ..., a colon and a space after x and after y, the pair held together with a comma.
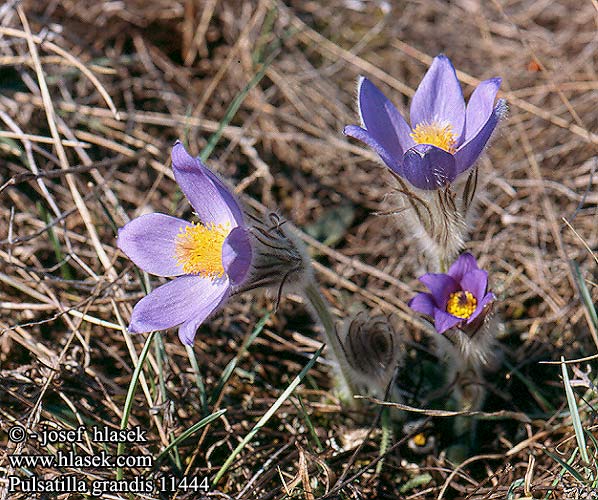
x: 461, y: 304
x: 437, y: 134
x: 419, y: 439
x: 198, y: 249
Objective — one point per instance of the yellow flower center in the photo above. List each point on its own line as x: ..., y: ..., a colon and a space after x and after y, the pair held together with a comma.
x: 420, y: 439
x: 198, y: 249
x: 439, y: 134
x: 461, y: 304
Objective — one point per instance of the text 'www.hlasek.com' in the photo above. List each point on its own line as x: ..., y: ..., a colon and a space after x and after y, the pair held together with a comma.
x: 69, y: 448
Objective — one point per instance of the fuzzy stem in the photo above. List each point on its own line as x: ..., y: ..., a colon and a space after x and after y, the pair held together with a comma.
x: 443, y: 265
x: 470, y: 397
x: 386, y: 439
x: 321, y: 308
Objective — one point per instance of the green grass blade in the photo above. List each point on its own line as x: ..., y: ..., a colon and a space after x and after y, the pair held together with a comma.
x: 189, y: 432
x: 234, y: 107
x: 594, y: 464
x: 282, y: 398
x: 593, y: 439
x: 586, y: 298
x: 108, y: 215
x: 310, y: 426
x: 566, y: 466
x: 65, y: 269
x: 230, y: 368
x: 515, y: 484
x: 131, y: 395
x: 203, y: 399
x: 560, y: 475
x: 160, y: 353
x: 574, y: 412
x: 266, y: 32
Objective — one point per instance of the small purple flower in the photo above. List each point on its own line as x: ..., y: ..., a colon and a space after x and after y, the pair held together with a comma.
x: 458, y: 297
x: 208, y: 258
x: 445, y: 137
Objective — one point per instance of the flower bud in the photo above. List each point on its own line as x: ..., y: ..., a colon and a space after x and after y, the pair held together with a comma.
x: 372, y: 350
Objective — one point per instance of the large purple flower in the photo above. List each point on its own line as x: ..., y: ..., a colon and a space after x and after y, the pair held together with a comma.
x: 445, y: 138
x: 208, y: 258
x: 458, y: 297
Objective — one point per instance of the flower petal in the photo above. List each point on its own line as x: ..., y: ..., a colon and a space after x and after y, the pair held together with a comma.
x: 208, y: 196
x: 423, y: 303
x: 439, y: 97
x: 471, y: 149
x: 227, y: 196
x: 428, y: 167
x: 236, y: 255
x: 476, y: 282
x: 489, y: 297
x: 176, y: 302
x: 364, y: 136
x: 382, y: 119
x: 480, y: 106
x: 440, y: 286
x: 149, y: 241
x: 444, y: 321
x: 465, y: 263
x: 189, y: 328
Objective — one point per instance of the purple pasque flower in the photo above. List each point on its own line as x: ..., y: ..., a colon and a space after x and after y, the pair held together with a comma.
x: 207, y: 258
x: 445, y: 137
x: 457, y: 297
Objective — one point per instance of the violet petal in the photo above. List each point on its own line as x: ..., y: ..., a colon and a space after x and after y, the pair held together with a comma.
x: 423, y: 303
x: 364, y: 136
x: 465, y: 263
x: 440, y: 286
x: 428, y: 167
x: 189, y: 328
x: 475, y: 282
x: 444, y: 321
x: 175, y: 302
x: 236, y: 255
x: 382, y: 119
x: 470, y: 151
x: 488, y: 298
x: 439, y: 98
x: 480, y: 106
x: 149, y: 241
x: 208, y: 196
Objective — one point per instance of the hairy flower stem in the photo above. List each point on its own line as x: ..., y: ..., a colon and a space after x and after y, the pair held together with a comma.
x: 443, y: 266
x: 323, y: 312
x: 470, y: 394
x: 386, y: 439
